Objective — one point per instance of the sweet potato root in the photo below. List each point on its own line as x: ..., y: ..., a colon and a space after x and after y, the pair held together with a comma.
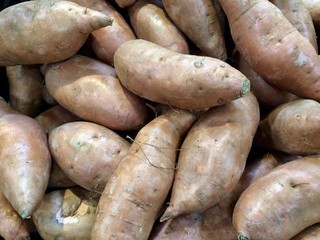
x: 273, y: 47
x: 26, y: 39
x: 87, y: 153
x: 151, y: 23
x: 133, y: 196
x: 200, y: 23
x: 282, y: 203
x: 214, y: 151
x: 25, y: 160
x: 180, y: 80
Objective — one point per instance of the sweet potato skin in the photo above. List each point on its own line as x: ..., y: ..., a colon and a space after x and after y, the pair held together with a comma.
x: 26, y: 39
x: 314, y: 8
x: 200, y: 23
x: 219, y: 142
x: 87, y: 153
x: 25, y: 156
x: 12, y: 226
x: 66, y: 214
x: 292, y: 127
x: 310, y: 233
x: 282, y: 203
x: 89, y: 89
x: 180, y: 80
x: 151, y: 23
x: 130, y: 203
x: 262, y: 34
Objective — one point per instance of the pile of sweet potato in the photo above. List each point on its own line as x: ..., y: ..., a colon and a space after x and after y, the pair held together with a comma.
x: 160, y: 120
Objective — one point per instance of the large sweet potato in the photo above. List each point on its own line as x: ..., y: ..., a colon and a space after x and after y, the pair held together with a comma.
x: 26, y: 38
x: 181, y: 80
x: 132, y: 198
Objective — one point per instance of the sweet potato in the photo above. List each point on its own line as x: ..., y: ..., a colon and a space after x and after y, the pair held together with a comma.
x: 215, y: 151
x: 292, y: 127
x: 314, y: 8
x: 267, y: 95
x: 89, y: 89
x: 87, y: 153
x: 25, y: 89
x: 310, y: 233
x: 273, y: 47
x: 124, y: 3
x: 132, y: 198
x: 66, y: 214
x: 12, y: 226
x: 26, y: 39
x: 106, y: 40
x: 281, y: 203
x: 200, y: 23
x: 151, y: 23
x: 180, y: 80
x: 216, y: 222
x: 299, y: 16
x: 25, y: 160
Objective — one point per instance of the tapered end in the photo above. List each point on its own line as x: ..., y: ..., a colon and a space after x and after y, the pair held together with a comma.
x: 168, y: 214
x: 241, y: 237
x: 245, y: 88
x: 24, y: 214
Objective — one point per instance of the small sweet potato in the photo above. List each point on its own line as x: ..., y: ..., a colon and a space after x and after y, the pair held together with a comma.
x: 25, y: 89
x: 66, y: 214
x: 89, y: 89
x: 87, y: 153
x: 132, y: 198
x: 151, y: 23
x: 180, y: 80
x: 199, y: 21
x: 281, y: 203
x: 26, y: 38
x: 213, y: 156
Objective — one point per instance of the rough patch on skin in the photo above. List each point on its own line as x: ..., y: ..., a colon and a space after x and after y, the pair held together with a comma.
x: 65, y: 220
x: 114, y: 182
x: 301, y: 60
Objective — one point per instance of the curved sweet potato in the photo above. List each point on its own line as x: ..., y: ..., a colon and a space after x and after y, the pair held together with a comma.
x: 12, y: 226
x: 87, y: 153
x: 132, y: 198
x: 199, y: 21
x: 180, y: 80
x: 292, y: 127
x: 25, y: 161
x: 26, y: 39
x: 282, y: 203
x: 66, y: 214
x: 25, y: 89
x: 219, y: 142
x: 89, y: 89
x: 151, y: 23
x: 273, y: 47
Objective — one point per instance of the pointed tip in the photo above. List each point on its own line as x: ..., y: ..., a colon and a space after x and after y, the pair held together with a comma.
x: 24, y: 214
x: 168, y: 214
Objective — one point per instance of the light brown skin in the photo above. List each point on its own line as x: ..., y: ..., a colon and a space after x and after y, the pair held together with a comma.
x: 138, y: 188
x: 216, y: 222
x: 88, y: 153
x: 106, y: 40
x: 151, y: 23
x: 299, y: 16
x: 314, y: 8
x: 12, y: 226
x: 199, y: 21
x: 179, y: 80
x: 268, y: 95
x: 213, y: 156
x: 25, y: 161
x: 49, y: 120
x: 25, y: 89
x: 26, y: 38
x: 66, y: 214
x: 124, y: 3
x: 89, y: 89
x: 292, y: 128
x: 273, y: 47
x: 310, y: 233
x: 282, y: 203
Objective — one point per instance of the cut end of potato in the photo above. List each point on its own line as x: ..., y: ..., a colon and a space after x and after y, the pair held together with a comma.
x: 245, y: 88
x: 241, y: 237
x: 106, y: 21
x: 24, y: 214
